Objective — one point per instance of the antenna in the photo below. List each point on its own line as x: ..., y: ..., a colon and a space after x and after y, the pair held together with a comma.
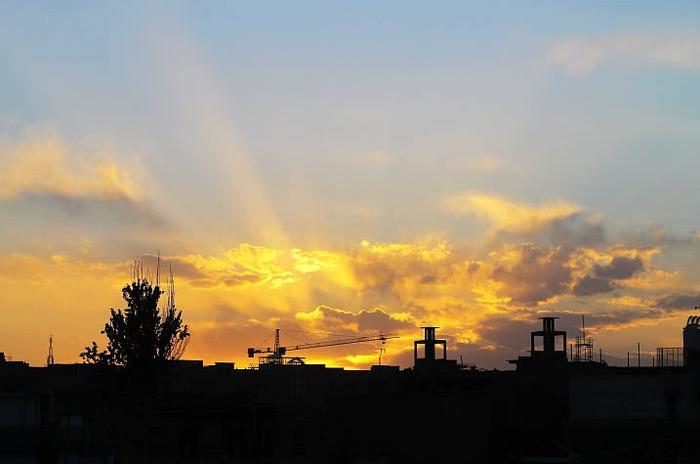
x: 171, y: 288
x: 49, y: 358
x: 158, y: 269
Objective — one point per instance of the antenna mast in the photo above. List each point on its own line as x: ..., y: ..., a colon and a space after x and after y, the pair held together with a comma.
x: 49, y: 358
x: 583, y: 345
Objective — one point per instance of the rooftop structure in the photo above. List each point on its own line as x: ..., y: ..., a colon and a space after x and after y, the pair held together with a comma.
x: 552, y: 355
x: 429, y: 344
x: 691, y: 342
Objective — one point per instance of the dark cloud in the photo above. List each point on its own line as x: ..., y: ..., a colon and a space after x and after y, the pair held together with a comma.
x: 377, y: 320
x: 539, y: 274
x: 100, y: 211
x: 575, y: 231
x: 614, y: 317
x: 368, y: 321
x: 181, y: 268
x: 655, y: 236
x: 569, y: 232
x: 619, y: 268
x: 112, y: 226
x: 236, y: 279
x: 602, y: 319
x: 472, y: 267
x: 604, y: 276
x: 592, y: 285
x: 376, y: 275
x: 507, y: 332
x: 673, y: 302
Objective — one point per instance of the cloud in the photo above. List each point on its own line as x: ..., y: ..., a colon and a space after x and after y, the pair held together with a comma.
x: 621, y: 267
x: 364, y: 322
x: 400, y: 267
x: 244, y: 265
x: 604, y: 276
x: 582, y: 55
x: 37, y: 167
x: 102, y: 212
x: 485, y: 297
x: 503, y: 214
x: 531, y: 274
x: 52, y: 195
x: 592, y: 286
x: 507, y: 332
x: 680, y: 302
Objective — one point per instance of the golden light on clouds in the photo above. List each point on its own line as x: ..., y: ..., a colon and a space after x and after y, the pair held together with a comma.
x: 237, y: 296
x: 42, y: 166
x: 508, y: 215
x: 370, y: 288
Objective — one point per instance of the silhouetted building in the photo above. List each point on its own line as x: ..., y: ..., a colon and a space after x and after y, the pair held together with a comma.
x: 306, y: 413
x: 9, y: 363
x: 691, y: 342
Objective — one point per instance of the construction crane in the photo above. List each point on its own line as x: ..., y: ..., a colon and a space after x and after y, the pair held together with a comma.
x: 276, y: 353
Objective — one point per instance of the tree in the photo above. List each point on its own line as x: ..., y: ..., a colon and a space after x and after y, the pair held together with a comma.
x: 142, y: 335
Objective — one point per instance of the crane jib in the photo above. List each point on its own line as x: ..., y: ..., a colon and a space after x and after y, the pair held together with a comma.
x: 278, y: 350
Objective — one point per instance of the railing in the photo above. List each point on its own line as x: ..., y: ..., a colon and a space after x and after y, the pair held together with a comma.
x: 669, y: 357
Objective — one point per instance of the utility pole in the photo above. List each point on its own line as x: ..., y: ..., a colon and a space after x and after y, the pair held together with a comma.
x: 639, y: 356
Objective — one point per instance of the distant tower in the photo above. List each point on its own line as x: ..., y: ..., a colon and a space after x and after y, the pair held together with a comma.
x: 49, y: 358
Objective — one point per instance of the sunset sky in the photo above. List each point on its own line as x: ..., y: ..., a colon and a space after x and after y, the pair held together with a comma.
x: 351, y: 168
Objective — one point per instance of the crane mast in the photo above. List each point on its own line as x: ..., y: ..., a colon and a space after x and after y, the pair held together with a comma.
x: 276, y: 353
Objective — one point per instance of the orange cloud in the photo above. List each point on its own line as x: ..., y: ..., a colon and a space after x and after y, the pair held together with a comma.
x: 236, y: 298
x: 44, y: 166
x: 503, y: 214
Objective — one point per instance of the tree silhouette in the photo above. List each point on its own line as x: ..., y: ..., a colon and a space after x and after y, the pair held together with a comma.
x: 142, y: 335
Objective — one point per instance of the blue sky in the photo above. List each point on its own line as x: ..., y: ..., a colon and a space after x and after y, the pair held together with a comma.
x: 309, y: 84
x: 323, y: 124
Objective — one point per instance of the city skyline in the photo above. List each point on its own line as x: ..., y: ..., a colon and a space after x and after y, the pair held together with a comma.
x: 365, y: 168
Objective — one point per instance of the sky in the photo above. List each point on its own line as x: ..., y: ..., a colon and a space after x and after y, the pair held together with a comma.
x: 352, y: 168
